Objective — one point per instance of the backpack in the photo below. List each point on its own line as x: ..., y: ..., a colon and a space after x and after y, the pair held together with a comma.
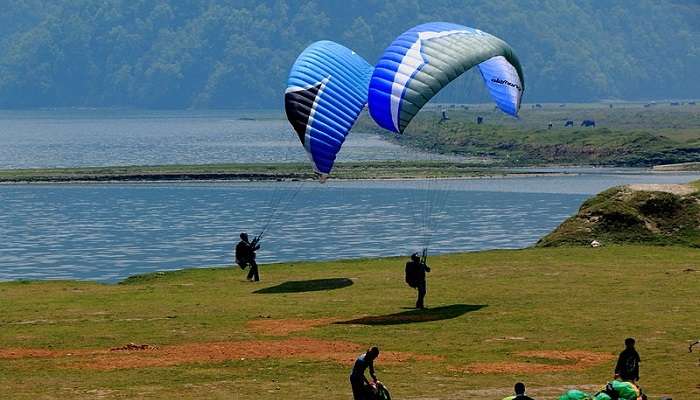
x: 241, y: 256
x: 412, y: 273
x: 383, y: 393
x: 379, y: 392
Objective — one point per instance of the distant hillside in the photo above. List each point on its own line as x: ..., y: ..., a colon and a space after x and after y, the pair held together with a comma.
x: 649, y: 214
x: 629, y: 135
x: 220, y: 54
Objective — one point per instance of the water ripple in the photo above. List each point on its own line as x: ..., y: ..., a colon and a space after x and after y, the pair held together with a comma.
x: 108, y: 232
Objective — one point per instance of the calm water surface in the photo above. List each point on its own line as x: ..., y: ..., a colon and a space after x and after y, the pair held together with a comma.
x: 108, y: 232
x: 78, y: 138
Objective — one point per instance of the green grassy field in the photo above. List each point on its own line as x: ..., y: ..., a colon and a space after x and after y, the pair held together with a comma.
x: 486, y: 309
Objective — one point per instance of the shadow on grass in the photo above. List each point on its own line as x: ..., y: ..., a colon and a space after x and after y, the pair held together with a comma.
x: 408, y: 317
x: 313, y: 285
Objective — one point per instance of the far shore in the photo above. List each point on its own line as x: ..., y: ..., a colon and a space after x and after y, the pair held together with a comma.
x: 291, y: 172
x: 281, y: 172
x: 680, y: 167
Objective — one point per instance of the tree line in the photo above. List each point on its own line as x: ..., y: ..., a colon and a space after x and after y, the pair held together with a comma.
x: 236, y: 54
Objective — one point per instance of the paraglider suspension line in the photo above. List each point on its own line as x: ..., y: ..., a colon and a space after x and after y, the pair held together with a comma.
x: 279, y: 197
x: 275, y: 206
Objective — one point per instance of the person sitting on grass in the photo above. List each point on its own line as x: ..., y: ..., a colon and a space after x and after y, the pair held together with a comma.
x: 358, y: 381
x: 519, y: 393
x: 245, y: 255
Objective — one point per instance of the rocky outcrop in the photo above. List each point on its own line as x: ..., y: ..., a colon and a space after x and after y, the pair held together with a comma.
x: 645, y: 214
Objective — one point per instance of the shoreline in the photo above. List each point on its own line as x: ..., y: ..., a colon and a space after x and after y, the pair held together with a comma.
x: 386, y: 170
x: 161, y: 273
x: 280, y: 172
x: 179, y: 180
x: 679, y: 167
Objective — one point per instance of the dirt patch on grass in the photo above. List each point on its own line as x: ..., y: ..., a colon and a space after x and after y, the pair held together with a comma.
x: 577, y: 360
x: 30, y: 353
x: 283, y: 327
x: 342, y: 352
x: 577, y: 356
x: 212, y: 352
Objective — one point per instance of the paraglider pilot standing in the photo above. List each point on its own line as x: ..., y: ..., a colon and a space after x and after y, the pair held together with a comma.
x: 627, y: 367
x: 245, y: 256
x: 415, y: 277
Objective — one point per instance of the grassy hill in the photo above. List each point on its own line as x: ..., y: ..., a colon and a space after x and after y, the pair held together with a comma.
x: 652, y: 214
x: 553, y: 318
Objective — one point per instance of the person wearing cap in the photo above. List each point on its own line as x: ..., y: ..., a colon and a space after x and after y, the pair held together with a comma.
x: 415, y: 277
x: 519, y: 393
x: 245, y: 256
x: 358, y: 381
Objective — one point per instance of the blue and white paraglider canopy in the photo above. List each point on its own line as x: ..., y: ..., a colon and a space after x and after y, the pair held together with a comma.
x: 326, y: 91
x: 424, y: 59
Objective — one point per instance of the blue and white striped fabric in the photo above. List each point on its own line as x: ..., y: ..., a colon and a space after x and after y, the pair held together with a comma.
x: 424, y: 59
x: 326, y: 91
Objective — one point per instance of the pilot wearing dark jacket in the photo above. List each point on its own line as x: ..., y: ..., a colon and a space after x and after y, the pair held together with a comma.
x: 245, y: 256
x: 415, y: 277
x: 627, y: 367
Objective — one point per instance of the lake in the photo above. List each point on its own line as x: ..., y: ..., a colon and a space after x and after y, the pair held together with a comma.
x: 80, y: 138
x: 107, y: 232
